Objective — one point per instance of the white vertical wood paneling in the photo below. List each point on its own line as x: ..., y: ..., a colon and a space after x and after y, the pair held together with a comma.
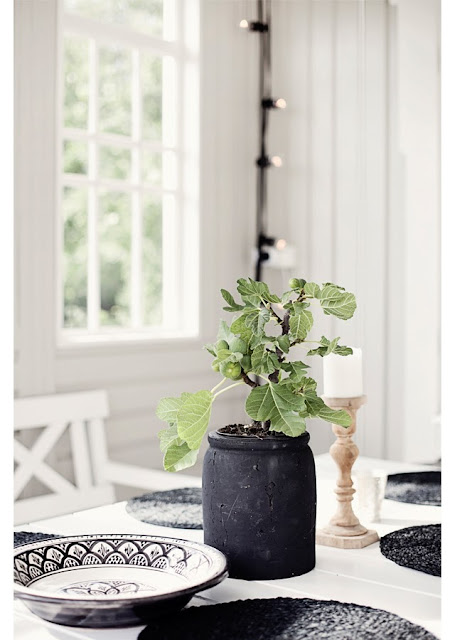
x: 395, y: 283
x: 370, y: 107
x: 372, y: 264
x: 320, y: 185
x: 35, y: 174
x: 419, y: 109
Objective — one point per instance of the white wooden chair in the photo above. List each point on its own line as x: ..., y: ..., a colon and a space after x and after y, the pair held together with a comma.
x: 83, y: 414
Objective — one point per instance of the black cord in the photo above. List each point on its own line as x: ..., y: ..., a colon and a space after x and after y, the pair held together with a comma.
x: 264, y: 8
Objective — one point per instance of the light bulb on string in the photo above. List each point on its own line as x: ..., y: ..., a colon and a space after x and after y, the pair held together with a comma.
x: 262, y: 27
x: 266, y: 161
x: 274, y: 103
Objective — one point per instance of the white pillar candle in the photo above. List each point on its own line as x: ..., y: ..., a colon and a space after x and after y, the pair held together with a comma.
x: 343, y: 375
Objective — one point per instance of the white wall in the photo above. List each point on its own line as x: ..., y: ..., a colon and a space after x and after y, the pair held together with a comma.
x: 358, y: 195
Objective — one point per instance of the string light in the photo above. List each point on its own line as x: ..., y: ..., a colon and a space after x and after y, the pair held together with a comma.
x: 255, y: 25
x: 266, y: 161
x: 274, y: 103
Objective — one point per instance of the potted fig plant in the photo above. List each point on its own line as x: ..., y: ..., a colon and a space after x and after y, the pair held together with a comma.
x: 258, y: 484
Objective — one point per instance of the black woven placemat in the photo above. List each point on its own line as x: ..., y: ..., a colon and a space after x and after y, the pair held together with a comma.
x: 177, y: 508
x: 415, y: 547
x: 420, y: 487
x: 24, y: 537
x: 284, y: 619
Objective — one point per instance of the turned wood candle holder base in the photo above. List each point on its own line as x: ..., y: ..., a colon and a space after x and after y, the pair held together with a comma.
x: 344, y: 530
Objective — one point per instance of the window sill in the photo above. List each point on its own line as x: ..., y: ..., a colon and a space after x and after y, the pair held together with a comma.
x: 105, y: 343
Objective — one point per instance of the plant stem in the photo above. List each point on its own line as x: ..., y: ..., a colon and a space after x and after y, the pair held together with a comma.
x: 231, y: 386
x: 218, y: 385
x: 248, y: 380
x: 263, y: 377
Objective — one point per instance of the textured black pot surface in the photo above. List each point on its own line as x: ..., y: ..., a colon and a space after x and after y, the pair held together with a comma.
x: 259, y: 504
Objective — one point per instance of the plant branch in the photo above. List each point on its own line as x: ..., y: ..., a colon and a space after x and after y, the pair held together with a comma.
x: 218, y: 385
x: 273, y: 377
x: 274, y: 313
x: 285, y: 323
x: 231, y: 386
x: 248, y: 380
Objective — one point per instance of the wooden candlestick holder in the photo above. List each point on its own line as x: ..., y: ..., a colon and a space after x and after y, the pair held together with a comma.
x: 344, y: 529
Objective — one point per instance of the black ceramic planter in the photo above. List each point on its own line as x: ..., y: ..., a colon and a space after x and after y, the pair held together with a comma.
x: 259, y: 504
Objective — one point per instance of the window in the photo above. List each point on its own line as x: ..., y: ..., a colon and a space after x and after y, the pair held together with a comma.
x: 128, y: 220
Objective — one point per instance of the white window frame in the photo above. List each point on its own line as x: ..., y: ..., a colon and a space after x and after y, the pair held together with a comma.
x: 180, y: 302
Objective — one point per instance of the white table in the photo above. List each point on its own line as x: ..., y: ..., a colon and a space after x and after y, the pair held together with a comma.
x: 360, y: 576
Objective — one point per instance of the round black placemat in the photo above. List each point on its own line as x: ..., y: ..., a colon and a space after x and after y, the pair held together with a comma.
x: 421, y: 487
x: 24, y: 537
x: 284, y: 619
x: 415, y: 547
x: 178, y: 508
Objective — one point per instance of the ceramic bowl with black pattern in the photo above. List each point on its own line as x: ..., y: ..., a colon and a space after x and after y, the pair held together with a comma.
x: 112, y: 580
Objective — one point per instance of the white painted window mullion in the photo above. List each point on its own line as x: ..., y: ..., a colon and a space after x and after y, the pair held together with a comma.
x: 93, y: 270
x: 136, y: 197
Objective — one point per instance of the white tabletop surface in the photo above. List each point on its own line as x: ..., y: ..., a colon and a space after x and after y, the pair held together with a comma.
x: 361, y: 576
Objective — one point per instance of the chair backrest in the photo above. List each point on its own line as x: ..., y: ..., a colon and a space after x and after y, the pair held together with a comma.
x: 82, y: 414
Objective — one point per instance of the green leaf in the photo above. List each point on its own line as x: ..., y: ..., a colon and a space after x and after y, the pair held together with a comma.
x: 193, y: 418
x: 223, y: 354
x: 235, y: 356
x: 168, y: 409
x: 285, y: 399
x: 342, y: 351
x: 284, y: 343
x: 287, y: 295
x: 259, y: 403
x: 337, y: 302
x: 233, y: 306
x: 256, y: 319
x: 224, y: 332
x: 239, y: 329
x: 210, y: 348
x: 307, y: 384
x: 299, y: 307
x: 329, y: 346
x: 330, y: 284
x: 334, y: 416
x: 296, y: 369
x: 286, y: 422
x: 313, y: 402
x: 168, y: 436
x: 179, y: 456
x: 254, y: 291
x: 300, y: 324
x: 312, y: 289
x: 264, y: 361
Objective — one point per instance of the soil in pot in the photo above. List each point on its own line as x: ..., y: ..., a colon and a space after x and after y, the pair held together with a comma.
x: 259, y: 503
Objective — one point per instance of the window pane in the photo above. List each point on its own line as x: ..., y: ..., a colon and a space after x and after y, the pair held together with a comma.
x: 115, y: 162
x: 75, y: 257
x: 115, y: 246
x: 145, y: 16
x: 151, y: 82
x: 115, y: 90
x: 75, y: 157
x: 152, y: 260
x: 76, y: 85
x: 152, y: 168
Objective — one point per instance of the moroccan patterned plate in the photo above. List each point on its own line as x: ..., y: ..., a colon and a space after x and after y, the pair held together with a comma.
x: 114, y: 580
